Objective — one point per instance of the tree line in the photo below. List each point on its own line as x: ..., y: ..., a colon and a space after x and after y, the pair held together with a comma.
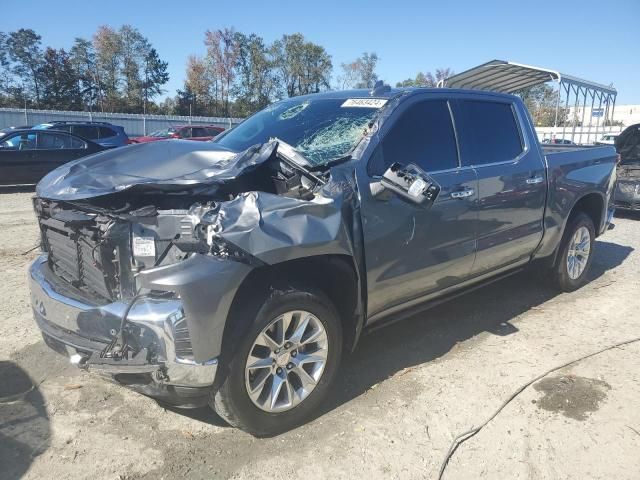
x: 119, y: 70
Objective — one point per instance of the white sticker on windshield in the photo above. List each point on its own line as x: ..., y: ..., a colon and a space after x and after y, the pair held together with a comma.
x: 364, y: 102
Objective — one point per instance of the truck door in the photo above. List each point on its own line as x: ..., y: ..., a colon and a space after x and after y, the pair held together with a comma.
x: 411, y: 250
x: 17, y: 159
x: 512, y: 185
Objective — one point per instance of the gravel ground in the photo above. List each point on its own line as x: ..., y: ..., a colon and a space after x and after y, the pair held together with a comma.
x: 401, y: 398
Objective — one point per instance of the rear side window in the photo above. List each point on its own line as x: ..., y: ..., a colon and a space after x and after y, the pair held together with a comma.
x: 487, y: 132
x: 212, y: 132
x: 105, y: 132
x: 423, y: 135
x: 185, y: 132
x: 86, y: 131
x: 199, y: 132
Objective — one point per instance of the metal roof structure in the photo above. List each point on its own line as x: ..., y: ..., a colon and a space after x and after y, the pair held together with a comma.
x: 511, y: 77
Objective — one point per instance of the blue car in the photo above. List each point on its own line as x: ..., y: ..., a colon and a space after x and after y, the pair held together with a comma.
x: 102, y: 133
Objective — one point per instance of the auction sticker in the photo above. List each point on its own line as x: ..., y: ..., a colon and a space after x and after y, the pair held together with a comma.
x: 364, y: 102
x: 144, y: 247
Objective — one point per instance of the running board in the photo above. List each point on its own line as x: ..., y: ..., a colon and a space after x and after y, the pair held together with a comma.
x: 392, y: 318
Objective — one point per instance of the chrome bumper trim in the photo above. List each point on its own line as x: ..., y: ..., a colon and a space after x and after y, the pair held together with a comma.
x: 84, y: 327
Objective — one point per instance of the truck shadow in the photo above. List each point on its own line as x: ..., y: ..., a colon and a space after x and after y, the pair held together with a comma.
x: 430, y: 335
x: 17, y: 189
x: 24, y: 423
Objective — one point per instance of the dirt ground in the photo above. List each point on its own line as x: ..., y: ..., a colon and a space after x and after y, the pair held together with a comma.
x: 400, y: 399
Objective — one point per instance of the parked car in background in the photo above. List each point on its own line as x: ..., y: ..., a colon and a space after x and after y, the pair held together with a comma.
x: 557, y: 141
x: 102, y: 133
x: 628, y: 187
x: 28, y: 155
x: 7, y: 130
x: 202, y: 133
x: 236, y: 272
x: 607, y: 139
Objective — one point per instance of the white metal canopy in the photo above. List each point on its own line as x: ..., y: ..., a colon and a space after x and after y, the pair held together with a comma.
x: 512, y: 77
x: 509, y: 77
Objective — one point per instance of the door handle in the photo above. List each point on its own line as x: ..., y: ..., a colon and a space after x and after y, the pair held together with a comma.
x: 467, y: 192
x: 535, y: 180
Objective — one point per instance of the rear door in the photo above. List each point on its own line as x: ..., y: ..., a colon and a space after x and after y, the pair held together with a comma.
x: 411, y: 250
x: 512, y: 184
x: 17, y: 158
x: 54, y: 149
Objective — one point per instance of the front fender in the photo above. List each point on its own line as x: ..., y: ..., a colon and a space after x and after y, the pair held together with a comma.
x: 207, y: 286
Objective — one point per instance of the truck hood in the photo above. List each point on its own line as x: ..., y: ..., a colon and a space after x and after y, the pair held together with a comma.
x: 162, y: 165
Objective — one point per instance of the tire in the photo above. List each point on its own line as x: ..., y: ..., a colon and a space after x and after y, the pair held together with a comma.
x: 571, y: 275
x: 264, y: 416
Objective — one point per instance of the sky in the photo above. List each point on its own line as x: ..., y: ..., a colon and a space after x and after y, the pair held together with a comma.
x: 595, y: 40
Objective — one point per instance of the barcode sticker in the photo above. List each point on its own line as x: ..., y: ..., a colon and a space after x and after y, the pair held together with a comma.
x: 364, y: 102
x: 144, y: 247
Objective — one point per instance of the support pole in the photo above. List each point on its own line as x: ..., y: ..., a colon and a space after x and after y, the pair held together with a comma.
x: 555, y: 121
x: 593, y: 99
x: 575, y: 116
x: 584, y: 110
x: 613, y: 108
x: 598, y: 118
x: 566, y: 107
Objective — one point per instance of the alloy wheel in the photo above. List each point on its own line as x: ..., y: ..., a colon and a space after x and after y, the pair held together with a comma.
x: 286, y: 361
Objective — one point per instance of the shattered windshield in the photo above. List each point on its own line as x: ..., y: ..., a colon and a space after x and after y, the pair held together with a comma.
x: 320, y: 129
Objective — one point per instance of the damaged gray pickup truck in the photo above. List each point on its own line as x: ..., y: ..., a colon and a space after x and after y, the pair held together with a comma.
x: 236, y: 272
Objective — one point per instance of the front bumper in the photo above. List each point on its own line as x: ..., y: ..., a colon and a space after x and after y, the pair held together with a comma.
x: 78, y: 327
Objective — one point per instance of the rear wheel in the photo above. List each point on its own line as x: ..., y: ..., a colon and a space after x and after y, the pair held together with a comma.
x: 284, y: 365
x: 576, y: 253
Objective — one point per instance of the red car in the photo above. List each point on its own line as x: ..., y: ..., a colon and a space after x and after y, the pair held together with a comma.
x: 187, y: 132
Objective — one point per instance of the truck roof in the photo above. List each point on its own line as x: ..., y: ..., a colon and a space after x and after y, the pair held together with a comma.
x: 392, y: 92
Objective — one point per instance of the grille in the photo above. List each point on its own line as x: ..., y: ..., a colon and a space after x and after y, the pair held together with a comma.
x: 77, y: 257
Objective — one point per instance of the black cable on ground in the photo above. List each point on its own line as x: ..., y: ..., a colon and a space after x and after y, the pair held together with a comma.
x: 463, y: 437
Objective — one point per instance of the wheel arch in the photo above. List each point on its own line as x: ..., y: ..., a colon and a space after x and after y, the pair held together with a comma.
x: 591, y: 204
x: 335, y: 275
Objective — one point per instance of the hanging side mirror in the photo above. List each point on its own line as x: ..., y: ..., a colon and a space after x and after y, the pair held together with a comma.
x: 411, y: 183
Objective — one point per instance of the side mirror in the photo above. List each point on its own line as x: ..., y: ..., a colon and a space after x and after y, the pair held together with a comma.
x: 411, y: 183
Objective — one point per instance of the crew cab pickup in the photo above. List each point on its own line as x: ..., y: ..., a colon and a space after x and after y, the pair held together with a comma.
x: 236, y: 272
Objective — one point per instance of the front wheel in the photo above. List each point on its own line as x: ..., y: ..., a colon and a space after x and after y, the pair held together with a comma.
x: 284, y: 365
x: 576, y: 253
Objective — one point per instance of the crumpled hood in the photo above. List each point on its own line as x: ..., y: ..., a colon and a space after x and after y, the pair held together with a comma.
x: 156, y: 164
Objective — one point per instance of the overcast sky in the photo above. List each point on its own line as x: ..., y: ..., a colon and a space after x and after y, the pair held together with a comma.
x: 595, y: 40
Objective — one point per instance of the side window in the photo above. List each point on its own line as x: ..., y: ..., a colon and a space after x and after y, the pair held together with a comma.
x: 105, y: 132
x: 185, y: 132
x: 199, y: 132
x: 423, y: 135
x: 76, y: 143
x: 212, y: 132
x: 24, y: 141
x: 487, y: 131
x: 53, y: 141
x: 86, y: 131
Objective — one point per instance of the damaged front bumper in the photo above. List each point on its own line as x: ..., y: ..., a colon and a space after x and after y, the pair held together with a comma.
x: 81, y: 329
x: 627, y: 196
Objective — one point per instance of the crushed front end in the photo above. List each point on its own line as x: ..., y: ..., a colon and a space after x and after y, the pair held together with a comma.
x: 92, y: 302
x: 138, y: 283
